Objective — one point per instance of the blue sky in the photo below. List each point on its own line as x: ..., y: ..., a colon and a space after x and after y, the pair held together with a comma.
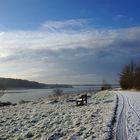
x: 28, y: 14
x: 68, y: 41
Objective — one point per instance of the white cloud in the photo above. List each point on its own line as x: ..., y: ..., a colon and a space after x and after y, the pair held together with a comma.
x: 119, y: 17
x: 1, y: 33
x: 123, y: 19
x: 55, y: 25
x: 43, y: 39
x: 32, y: 53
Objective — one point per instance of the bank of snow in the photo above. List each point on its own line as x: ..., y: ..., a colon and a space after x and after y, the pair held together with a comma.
x: 59, y: 118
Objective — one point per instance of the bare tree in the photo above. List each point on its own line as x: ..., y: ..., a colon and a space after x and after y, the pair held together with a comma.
x: 130, y: 76
x: 137, y: 76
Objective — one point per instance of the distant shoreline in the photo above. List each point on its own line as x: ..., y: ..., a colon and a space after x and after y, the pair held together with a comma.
x: 9, y: 83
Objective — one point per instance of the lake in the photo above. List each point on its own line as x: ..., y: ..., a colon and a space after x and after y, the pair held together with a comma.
x: 34, y: 94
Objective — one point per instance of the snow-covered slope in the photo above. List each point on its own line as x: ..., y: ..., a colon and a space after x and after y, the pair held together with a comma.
x: 61, y: 119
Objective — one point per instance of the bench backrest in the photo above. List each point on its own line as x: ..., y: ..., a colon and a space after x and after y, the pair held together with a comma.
x: 84, y: 96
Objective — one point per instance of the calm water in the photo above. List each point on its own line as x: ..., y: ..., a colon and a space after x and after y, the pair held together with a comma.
x: 34, y: 94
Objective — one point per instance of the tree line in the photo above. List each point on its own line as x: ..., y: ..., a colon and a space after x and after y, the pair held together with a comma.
x: 130, y: 76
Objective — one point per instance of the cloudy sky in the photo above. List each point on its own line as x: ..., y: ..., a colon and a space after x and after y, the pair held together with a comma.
x: 68, y: 41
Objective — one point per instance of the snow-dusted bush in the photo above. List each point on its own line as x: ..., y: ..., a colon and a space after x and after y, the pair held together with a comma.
x: 58, y: 92
x: 2, y: 89
x: 106, y: 86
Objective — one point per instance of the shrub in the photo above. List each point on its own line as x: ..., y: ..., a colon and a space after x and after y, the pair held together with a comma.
x: 58, y: 92
x: 2, y: 89
x: 106, y: 86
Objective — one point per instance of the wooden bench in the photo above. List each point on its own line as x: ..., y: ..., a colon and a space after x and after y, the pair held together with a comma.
x: 81, y: 100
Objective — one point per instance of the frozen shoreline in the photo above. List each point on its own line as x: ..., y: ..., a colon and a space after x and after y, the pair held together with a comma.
x: 59, y: 118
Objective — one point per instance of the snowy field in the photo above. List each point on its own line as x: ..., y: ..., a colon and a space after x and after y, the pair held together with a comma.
x: 128, y: 124
x: 48, y: 119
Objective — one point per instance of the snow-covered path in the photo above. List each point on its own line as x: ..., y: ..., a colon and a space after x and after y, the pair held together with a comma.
x: 128, y: 121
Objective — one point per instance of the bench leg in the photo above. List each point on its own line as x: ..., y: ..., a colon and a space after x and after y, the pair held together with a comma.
x: 76, y: 103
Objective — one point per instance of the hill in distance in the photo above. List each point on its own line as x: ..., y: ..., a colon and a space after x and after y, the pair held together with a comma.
x: 9, y: 83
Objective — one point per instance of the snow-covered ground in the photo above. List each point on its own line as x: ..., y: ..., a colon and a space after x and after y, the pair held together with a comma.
x: 128, y: 121
x: 48, y: 119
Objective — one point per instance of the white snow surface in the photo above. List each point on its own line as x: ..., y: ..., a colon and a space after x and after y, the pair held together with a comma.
x: 131, y: 102
x: 48, y: 119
